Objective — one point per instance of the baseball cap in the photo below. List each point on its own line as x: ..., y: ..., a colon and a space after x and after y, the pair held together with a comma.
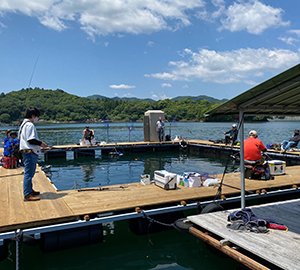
x: 234, y: 125
x: 253, y: 132
x: 159, y: 118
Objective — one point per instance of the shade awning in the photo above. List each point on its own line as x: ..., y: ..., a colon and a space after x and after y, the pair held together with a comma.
x: 279, y: 95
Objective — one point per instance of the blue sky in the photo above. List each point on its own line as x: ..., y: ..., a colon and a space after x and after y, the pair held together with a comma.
x: 146, y: 48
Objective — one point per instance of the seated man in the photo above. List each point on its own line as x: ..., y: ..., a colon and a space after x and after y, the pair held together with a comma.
x: 286, y: 145
x: 88, y: 134
x: 253, y: 148
x: 233, y: 133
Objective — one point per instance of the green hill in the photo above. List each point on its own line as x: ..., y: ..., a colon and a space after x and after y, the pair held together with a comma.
x: 201, y: 97
x: 96, y: 97
x: 57, y: 105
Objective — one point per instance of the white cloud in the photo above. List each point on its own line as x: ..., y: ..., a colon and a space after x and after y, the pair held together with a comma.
x: 163, y: 96
x: 150, y: 43
x: 121, y: 86
x: 154, y: 96
x: 185, y: 86
x: 102, y: 17
x: 253, y: 16
x: 228, y: 66
x: 250, y: 15
x: 288, y: 40
x: 295, y: 31
x: 128, y: 95
x: 166, y: 85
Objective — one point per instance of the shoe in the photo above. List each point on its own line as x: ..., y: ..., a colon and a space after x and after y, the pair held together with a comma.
x: 34, y: 193
x: 29, y: 197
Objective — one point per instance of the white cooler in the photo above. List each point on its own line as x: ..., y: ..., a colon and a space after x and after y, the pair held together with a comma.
x: 165, y: 180
x: 277, y: 167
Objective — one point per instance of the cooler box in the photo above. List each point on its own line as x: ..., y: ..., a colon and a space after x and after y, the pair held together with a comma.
x: 9, y: 162
x: 277, y: 167
x: 165, y: 179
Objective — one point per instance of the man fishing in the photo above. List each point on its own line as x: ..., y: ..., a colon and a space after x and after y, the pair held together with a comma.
x: 88, y: 134
x: 30, y: 147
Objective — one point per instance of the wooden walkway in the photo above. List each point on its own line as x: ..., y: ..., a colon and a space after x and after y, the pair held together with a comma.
x: 281, y: 248
x: 61, y: 206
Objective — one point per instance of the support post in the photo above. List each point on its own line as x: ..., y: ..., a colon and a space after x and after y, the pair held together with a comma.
x: 242, y: 164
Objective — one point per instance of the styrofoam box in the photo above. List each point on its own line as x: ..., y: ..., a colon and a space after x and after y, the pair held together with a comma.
x: 195, y: 181
x: 277, y: 167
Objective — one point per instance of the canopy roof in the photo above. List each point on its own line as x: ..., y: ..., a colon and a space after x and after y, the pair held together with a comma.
x: 279, y: 95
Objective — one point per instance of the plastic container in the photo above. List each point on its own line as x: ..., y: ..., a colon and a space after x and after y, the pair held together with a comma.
x: 186, y: 182
x: 277, y: 167
x: 179, y: 179
x: 211, y: 182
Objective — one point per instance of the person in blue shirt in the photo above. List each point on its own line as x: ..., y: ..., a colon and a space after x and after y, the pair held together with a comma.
x: 7, y: 147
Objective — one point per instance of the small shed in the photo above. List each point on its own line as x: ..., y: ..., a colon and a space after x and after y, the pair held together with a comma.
x: 150, y: 120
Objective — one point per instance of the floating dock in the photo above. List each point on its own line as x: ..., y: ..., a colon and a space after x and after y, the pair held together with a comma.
x: 71, y: 209
x: 193, y: 146
x: 71, y: 205
x: 277, y: 249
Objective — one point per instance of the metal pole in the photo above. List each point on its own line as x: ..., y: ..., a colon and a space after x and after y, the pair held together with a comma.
x: 242, y: 165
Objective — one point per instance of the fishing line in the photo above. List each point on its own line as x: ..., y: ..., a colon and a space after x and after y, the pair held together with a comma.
x: 33, y: 70
x: 218, y: 195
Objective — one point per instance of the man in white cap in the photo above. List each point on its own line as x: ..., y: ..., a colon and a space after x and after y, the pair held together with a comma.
x: 232, y: 137
x: 253, y: 148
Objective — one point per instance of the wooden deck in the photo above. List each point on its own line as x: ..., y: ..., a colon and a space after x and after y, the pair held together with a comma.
x: 61, y: 206
x: 281, y: 248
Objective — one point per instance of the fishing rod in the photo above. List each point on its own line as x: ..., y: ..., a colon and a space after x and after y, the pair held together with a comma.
x: 102, y: 188
x: 250, y: 192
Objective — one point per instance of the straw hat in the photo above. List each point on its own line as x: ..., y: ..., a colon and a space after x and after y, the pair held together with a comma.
x: 8, y: 131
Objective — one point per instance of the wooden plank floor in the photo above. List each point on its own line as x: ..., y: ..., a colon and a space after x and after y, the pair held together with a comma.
x: 137, y: 195
x: 16, y: 213
x: 60, y: 206
x: 279, y: 247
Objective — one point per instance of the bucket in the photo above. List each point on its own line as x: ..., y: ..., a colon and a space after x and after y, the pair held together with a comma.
x: 145, y: 179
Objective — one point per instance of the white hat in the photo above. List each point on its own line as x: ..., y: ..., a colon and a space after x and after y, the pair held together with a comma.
x: 252, y: 133
x: 234, y: 125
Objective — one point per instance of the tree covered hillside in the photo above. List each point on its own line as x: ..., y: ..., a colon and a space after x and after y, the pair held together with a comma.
x: 57, y: 105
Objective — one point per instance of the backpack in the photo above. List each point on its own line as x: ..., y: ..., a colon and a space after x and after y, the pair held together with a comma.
x: 16, y: 151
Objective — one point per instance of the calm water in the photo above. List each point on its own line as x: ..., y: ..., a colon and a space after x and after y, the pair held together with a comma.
x: 121, y: 248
